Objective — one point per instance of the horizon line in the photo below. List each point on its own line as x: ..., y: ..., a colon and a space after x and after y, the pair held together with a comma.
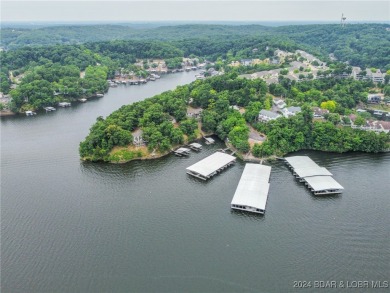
x: 194, y: 20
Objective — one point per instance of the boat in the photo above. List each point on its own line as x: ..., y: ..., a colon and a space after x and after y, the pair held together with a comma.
x: 30, y: 113
x: 49, y: 109
x: 64, y: 104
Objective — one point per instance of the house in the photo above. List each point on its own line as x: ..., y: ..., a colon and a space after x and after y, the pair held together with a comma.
x: 297, y: 64
x: 235, y: 63
x: 194, y: 112
x: 374, y: 98
x: 272, y: 80
x: 280, y: 54
x: 246, y: 62
x: 292, y: 77
x: 279, y: 103
x: 372, y: 125
x: 344, y: 75
x: 377, y: 76
x: 319, y: 113
x: 266, y: 116
x: 291, y: 111
x: 356, y: 73
x: 258, y: 61
x: 234, y: 107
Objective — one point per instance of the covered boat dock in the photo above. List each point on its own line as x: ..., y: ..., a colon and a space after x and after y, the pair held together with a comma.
x: 49, y: 109
x: 252, y: 190
x: 195, y: 146
x: 64, y: 104
x: 180, y: 152
x: 318, y: 179
x: 323, y: 185
x: 211, y: 165
x: 209, y: 140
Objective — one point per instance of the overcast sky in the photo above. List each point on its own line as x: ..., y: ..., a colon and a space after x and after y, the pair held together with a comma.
x: 128, y: 11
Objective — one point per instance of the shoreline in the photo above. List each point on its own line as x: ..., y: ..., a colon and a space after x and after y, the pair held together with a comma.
x: 7, y: 113
x: 77, y: 100
x: 238, y: 154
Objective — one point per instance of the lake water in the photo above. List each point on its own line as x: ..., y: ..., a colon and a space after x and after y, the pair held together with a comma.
x: 69, y: 226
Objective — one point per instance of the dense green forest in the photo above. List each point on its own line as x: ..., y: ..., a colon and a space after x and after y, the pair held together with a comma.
x: 216, y: 96
x: 51, y: 83
x: 363, y: 45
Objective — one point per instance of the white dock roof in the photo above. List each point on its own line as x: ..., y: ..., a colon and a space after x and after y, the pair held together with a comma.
x: 301, y: 162
x: 323, y: 183
x: 212, y: 163
x: 312, y: 171
x: 196, y: 145
x: 182, y: 150
x: 252, y: 190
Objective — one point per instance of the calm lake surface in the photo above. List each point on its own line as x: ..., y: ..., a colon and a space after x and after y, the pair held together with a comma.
x: 69, y: 226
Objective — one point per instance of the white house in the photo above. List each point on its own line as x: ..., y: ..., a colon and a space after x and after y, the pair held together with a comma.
x: 279, y: 103
x: 291, y: 111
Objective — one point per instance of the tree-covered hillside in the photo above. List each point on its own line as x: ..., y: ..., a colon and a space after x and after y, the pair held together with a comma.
x: 364, y: 45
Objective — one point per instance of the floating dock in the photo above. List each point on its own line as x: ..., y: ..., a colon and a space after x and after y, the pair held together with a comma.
x: 210, y: 166
x: 318, y: 179
x: 252, y: 190
x: 180, y: 152
x: 195, y: 146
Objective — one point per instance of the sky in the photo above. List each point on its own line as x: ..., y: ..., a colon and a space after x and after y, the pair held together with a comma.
x: 185, y: 10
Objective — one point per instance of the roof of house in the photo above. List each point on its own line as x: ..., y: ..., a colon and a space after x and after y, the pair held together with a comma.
x: 269, y: 114
x: 318, y: 110
x: 356, y: 70
x: 385, y: 124
x: 278, y: 101
x: 294, y: 109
